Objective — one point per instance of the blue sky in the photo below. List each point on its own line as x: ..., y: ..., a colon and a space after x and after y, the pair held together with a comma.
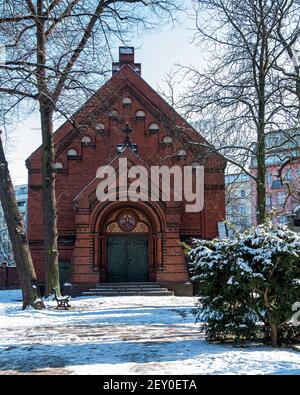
x: 158, y: 52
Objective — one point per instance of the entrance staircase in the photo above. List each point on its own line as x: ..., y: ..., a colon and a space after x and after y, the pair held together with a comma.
x: 128, y: 289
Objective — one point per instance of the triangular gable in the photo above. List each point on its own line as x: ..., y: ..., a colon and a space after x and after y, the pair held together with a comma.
x: 88, y: 193
x: 125, y: 76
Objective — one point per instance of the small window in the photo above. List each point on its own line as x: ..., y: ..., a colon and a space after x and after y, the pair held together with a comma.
x: 289, y: 176
x: 281, y: 197
x: 181, y: 154
x: 21, y: 191
x: 100, y: 128
x: 167, y: 140
x: 115, y: 67
x: 276, y: 184
x: 283, y: 220
x: 86, y: 140
x: 121, y: 147
x: 140, y: 114
x: 269, y: 178
x: 72, y: 152
x: 113, y: 114
x: 137, y: 68
x: 58, y: 166
x: 242, y: 210
x: 195, y: 165
x: 127, y: 102
x: 126, y: 50
x: 153, y: 128
x: 243, y: 193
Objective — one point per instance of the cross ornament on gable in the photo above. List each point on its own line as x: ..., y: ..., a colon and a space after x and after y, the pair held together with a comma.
x: 128, y: 130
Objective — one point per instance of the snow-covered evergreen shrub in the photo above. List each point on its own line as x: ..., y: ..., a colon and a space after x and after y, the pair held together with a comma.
x: 248, y: 284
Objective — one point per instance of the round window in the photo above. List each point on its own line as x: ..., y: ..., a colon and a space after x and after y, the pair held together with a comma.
x: 127, y: 221
x: 168, y: 140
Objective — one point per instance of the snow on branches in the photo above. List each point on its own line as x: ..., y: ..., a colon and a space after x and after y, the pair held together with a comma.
x: 247, y: 285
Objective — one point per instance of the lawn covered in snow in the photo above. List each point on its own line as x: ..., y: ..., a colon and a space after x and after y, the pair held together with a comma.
x: 123, y: 335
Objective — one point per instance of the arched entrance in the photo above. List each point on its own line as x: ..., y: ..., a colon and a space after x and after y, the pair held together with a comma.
x: 127, y: 258
x: 127, y: 241
x: 127, y: 248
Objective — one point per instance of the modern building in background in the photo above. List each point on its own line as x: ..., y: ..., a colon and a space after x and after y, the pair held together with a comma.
x: 22, y: 200
x: 6, y: 254
x: 282, y: 184
x: 282, y: 190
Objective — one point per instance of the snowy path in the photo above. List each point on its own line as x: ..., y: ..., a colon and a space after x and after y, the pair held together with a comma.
x: 124, y: 335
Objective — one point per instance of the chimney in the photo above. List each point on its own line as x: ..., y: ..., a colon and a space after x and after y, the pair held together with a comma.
x: 126, y: 56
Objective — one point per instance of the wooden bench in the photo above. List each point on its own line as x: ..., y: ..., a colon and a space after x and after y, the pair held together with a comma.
x: 62, y: 301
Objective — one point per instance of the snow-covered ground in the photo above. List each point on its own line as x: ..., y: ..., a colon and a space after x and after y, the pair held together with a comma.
x: 123, y: 335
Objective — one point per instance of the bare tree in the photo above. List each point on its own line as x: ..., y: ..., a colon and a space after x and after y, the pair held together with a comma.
x: 16, y: 229
x: 242, y: 95
x: 56, y: 55
x: 288, y: 34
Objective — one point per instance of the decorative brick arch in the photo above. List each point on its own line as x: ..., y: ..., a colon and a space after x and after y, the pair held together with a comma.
x: 151, y: 209
x: 147, y: 213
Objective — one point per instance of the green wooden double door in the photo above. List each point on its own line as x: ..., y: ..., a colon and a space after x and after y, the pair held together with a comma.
x: 127, y: 258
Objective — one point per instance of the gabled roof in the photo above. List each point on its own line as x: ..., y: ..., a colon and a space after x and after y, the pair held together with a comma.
x: 126, y: 76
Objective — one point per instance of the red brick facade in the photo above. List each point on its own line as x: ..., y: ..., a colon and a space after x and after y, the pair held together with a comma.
x: 8, y: 277
x: 84, y: 223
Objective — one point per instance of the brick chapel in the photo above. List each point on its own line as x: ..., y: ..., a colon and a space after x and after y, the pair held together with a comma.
x: 123, y: 241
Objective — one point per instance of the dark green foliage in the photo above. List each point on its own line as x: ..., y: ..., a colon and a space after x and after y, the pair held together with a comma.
x: 247, y: 285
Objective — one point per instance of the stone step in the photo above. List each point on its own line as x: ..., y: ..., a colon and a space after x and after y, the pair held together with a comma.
x: 148, y: 284
x: 123, y: 293
x: 128, y: 289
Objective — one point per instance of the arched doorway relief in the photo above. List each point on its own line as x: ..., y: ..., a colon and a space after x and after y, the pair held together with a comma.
x: 129, y: 237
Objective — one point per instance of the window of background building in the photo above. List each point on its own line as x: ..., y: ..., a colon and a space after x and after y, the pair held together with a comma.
x: 21, y: 191
x: 283, y: 220
x: 281, y: 197
x: 243, y: 210
x: 277, y: 184
x: 289, y: 176
x: 269, y: 178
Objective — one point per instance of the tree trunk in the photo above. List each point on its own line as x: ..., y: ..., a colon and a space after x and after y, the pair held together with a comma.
x: 17, y: 234
x: 274, y: 337
x: 261, y: 121
x: 261, y: 179
x: 297, y: 69
x: 49, y: 200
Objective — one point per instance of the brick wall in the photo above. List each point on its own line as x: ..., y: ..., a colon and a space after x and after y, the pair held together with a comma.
x: 79, y: 171
x: 8, y: 277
